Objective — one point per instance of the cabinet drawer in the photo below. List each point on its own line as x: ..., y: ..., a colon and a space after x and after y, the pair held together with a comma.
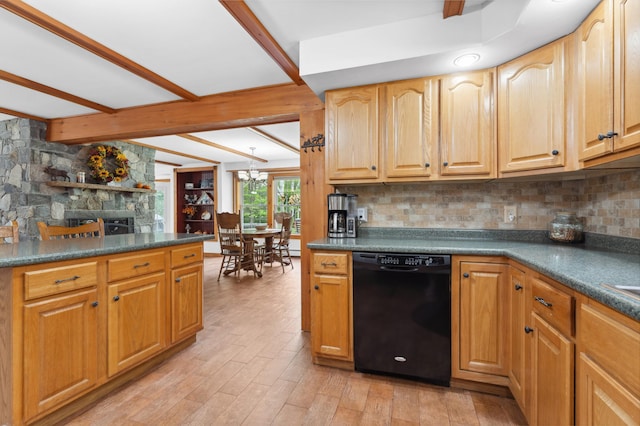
x: 133, y: 266
x: 45, y: 282
x: 186, y: 254
x: 331, y: 263
x: 553, y: 305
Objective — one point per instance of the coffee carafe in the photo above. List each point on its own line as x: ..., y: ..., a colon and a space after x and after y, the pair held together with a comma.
x: 338, y: 209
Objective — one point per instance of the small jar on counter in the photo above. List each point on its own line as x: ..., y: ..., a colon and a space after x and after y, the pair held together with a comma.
x: 566, y: 228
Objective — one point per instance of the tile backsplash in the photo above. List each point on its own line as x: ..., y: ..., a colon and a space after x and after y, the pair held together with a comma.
x: 608, y: 205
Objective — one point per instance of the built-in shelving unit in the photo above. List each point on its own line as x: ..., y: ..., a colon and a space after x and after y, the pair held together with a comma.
x: 196, y: 188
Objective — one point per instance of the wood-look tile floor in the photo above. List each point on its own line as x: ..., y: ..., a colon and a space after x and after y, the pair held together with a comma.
x: 251, y: 365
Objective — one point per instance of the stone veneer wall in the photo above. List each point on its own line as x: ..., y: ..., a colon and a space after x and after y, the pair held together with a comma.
x: 608, y: 205
x: 26, y: 197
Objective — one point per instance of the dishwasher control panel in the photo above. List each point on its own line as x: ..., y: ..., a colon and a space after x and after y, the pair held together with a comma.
x: 411, y: 260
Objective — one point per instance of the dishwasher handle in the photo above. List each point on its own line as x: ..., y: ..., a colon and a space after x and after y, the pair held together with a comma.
x: 399, y: 268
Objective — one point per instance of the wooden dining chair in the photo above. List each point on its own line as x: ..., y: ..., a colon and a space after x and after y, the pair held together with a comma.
x: 9, y: 231
x: 237, y: 253
x: 55, y: 232
x: 281, y: 247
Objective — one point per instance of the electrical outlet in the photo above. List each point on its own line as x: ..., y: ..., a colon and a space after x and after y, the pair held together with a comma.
x: 362, y: 214
x: 510, y: 214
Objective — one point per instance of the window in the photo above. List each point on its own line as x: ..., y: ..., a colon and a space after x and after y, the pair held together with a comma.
x: 258, y: 201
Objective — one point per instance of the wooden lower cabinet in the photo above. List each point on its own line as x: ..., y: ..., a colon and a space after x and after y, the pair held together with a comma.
x: 479, y: 319
x: 608, y: 366
x: 551, y: 375
x: 136, y: 321
x: 331, y: 313
x: 186, y: 294
x: 519, y: 341
x: 61, y: 349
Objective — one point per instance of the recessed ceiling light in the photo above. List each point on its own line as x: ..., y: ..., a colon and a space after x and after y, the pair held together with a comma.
x: 466, y: 60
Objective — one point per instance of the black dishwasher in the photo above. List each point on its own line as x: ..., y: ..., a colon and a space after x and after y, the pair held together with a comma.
x: 402, y: 315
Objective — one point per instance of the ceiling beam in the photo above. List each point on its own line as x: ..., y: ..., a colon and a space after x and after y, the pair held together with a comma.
x: 167, y: 163
x: 221, y: 147
x: 273, y: 139
x: 56, y: 27
x: 245, y: 17
x: 21, y: 114
x: 168, y: 151
x: 452, y: 8
x: 30, y: 84
x: 244, y: 108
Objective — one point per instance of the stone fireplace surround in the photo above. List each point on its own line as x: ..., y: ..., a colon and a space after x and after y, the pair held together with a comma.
x: 26, y: 197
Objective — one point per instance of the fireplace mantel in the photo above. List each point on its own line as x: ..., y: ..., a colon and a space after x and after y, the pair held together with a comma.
x: 63, y: 184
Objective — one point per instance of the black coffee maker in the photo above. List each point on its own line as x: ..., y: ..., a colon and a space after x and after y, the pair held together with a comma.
x: 342, y: 215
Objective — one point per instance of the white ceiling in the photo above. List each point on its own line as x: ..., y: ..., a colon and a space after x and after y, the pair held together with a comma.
x: 199, y: 46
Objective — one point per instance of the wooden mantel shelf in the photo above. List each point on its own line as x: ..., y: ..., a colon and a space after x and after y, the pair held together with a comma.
x: 63, y: 184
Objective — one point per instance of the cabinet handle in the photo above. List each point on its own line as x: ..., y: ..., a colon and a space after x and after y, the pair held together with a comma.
x: 64, y: 280
x: 116, y: 298
x: 518, y: 287
x: 528, y: 329
x: 609, y: 135
x: 555, y: 152
x: 373, y: 167
x: 317, y: 287
x: 326, y: 264
x: 186, y: 256
x: 427, y: 164
x: 94, y: 304
x: 179, y: 279
x: 466, y: 275
x: 142, y: 265
x: 543, y: 302
x: 446, y: 163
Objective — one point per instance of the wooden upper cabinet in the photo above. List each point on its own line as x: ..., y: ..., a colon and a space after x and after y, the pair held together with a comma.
x: 627, y: 73
x: 411, y: 121
x: 352, y: 134
x: 595, y: 82
x: 531, y: 110
x: 468, y: 137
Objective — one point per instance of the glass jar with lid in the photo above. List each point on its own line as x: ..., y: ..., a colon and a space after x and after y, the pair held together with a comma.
x: 566, y: 228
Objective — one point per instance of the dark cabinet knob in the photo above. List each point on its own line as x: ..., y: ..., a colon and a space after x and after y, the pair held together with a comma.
x: 317, y: 287
x: 528, y: 329
x: 446, y: 163
x: 609, y: 135
x: 94, y: 304
x: 179, y: 279
x: 427, y: 164
x: 555, y: 152
x: 116, y: 298
x: 466, y: 275
x: 373, y: 167
x: 518, y: 287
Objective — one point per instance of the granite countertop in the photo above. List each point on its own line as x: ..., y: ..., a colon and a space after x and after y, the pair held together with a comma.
x: 581, y: 267
x: 32, y: 252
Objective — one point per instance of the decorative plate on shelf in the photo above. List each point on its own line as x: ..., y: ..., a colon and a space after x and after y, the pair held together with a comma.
x: 206, y: 215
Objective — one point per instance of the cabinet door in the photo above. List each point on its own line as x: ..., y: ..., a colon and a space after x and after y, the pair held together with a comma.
x: 627, y: 73
x: 186, y: 301
x: 602, y: 400
x: 595, y: 82
x: 552, y: 375
x: 482, y: 334
x: 519, y: 340
x: 468, y: 137
x: 330, y: 317
x: 352, y: 134
x: 136, y: 321
x: 531, y: 110
x: 411, y: 118
x: 60, y: 350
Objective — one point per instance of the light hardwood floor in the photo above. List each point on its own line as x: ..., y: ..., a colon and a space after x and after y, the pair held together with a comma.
x: 251, y: 365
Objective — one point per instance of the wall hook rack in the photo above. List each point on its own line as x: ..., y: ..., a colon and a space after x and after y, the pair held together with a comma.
x: 315, y: 142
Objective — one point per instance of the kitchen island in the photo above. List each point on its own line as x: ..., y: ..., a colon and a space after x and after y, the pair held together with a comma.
x: 80, y: 317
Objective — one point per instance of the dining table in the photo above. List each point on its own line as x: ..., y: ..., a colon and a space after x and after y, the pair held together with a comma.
x: 268, y: 234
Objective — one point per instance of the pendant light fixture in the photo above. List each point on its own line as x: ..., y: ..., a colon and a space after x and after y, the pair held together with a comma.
x: 253, y: 176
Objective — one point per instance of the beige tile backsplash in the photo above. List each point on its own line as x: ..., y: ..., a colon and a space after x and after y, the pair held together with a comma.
x: 606, y: 204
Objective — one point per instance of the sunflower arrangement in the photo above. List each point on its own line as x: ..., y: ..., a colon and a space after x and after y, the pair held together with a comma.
x: 189, y: 210
x: 102, y: 156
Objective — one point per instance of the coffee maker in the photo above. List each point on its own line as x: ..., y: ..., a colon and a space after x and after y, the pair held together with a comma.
x: 343, y: 215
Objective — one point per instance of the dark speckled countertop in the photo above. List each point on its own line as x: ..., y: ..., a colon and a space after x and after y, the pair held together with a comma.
x: 583, y: 267
x: 32, y: 252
